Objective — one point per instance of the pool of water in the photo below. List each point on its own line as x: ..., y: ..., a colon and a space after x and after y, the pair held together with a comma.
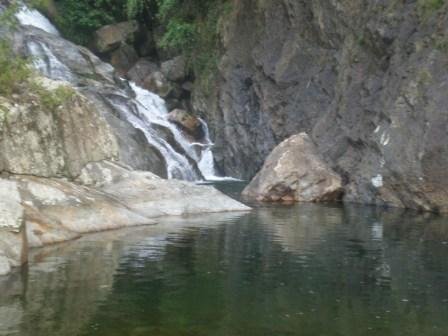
x: 302, y: 270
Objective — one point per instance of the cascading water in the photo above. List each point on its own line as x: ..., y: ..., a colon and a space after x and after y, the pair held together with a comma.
x: 47, y: 63
x: 32, y: 17
x: 143, y: 110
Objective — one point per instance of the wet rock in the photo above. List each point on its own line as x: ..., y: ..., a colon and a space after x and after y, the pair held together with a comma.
x: 175, y: 69
x: 295, y: 172
x: 187, y: 122
x: 123, y: 58
x: 70, y: 62
x: 110, y: 37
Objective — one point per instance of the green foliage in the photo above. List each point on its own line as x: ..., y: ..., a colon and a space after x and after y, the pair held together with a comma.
x: 192, y: 29
x: 135, y: 8
x: 78, y: 19
x: 51, y: 99
x: 13, y: 70
x: 7, y: 17
x: 179, y: 35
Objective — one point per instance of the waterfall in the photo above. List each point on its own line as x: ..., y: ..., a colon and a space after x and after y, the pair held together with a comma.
x: 32, y: 17
x: 142, y: 109
x: 47, y: 63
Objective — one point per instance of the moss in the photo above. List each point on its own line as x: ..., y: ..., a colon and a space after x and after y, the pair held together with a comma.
x: 428, y: 7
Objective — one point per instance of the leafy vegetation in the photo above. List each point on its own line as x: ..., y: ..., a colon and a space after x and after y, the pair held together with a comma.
x: 13, y: 70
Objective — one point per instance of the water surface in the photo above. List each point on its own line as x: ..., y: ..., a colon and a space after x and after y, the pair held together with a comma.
x: 302, y: 270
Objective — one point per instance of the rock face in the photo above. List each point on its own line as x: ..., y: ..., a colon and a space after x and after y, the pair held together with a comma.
x: 51, y: 141
x: 294, y: 171
x: 365, y: 79
x: 12, y: 242
x: 110, y: 37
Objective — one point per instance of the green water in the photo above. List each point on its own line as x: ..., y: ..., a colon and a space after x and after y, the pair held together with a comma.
x: 303, y: 270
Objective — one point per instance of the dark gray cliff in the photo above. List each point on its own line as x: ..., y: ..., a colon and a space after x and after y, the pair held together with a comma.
x: 368, y: 80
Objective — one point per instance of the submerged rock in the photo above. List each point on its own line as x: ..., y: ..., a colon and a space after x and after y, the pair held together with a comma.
x: 295, y: 171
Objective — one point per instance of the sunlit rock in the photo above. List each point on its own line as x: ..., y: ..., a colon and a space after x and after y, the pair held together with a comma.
x: 294, y: 171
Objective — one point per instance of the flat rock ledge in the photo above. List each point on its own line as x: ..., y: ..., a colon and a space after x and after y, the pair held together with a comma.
x: 295, y: 172
x: 37, y: 211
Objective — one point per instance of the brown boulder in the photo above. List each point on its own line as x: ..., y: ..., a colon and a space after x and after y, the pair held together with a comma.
x: 295, y: 172
x: 110, y: 37
x: 187, y: 122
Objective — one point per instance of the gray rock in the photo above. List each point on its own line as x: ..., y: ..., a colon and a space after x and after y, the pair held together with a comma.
x: 152, y: 196
x: 141, y: 70
x: 175, y: 69
x: 110, y: 37
x: 123, y: 58
x: 295, y: 172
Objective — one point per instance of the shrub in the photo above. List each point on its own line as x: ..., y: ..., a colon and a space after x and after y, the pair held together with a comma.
x: 13, y: 70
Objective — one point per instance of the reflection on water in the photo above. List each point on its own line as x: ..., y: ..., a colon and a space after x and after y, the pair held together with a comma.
x: 302, y: 270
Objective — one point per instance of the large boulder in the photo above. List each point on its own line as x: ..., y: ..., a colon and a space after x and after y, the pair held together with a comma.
x: 110, y: 37
x: 175, y: 69
x: 295, y: 171
x: 141, y: 70
x: 123, y: 58
x: 187, y: 122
